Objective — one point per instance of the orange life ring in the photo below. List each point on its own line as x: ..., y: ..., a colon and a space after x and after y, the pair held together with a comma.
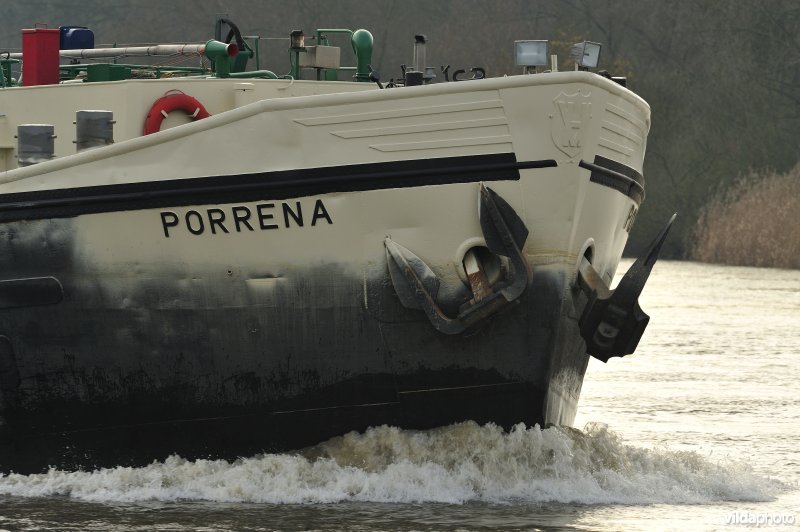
x: 172, y: 101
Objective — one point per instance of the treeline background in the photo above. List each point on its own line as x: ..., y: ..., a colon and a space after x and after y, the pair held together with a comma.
x: 722, y: 77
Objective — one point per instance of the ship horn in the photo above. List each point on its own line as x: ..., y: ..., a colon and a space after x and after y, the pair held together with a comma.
x: 612, y: 322
x: 417, y: 286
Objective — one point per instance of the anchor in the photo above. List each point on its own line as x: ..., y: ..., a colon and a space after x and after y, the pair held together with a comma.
x: 612, y: 322
x: 417, y: 285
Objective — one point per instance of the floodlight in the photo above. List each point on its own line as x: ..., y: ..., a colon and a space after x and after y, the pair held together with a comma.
x: 586, y: 54
x: 530, y: 53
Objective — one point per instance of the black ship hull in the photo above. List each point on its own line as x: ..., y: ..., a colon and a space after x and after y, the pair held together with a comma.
x: 85, y: 385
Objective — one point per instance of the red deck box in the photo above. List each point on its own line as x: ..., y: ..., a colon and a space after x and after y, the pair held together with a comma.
x: 40, y: 58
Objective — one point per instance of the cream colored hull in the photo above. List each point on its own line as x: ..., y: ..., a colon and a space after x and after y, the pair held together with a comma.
x: 239, y: 262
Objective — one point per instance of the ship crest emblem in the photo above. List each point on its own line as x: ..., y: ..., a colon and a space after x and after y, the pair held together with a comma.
x: 568, y: 122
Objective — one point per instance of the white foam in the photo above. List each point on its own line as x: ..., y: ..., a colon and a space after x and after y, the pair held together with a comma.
x: 456, y: 464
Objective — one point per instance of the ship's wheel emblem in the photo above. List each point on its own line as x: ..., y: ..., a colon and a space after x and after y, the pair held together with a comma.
x: 568, y: 122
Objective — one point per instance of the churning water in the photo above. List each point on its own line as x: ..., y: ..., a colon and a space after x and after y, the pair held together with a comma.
x: 698, y: 430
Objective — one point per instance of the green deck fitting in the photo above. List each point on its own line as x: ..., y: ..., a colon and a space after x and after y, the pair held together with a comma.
x: 107, y: 72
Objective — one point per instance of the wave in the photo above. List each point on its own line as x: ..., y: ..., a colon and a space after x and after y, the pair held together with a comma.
x: 455, y: 464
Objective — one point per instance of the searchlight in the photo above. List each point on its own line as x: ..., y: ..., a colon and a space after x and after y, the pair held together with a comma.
x: 530, y: 54
x: 586, y: 54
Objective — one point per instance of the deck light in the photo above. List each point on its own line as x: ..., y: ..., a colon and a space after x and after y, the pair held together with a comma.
x: 586, y: 54
x: 297, y: 39
x: 297, y: 46
x: 530, y: 54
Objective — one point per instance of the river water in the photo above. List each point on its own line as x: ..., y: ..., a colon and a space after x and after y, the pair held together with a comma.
x: 699, y: 430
